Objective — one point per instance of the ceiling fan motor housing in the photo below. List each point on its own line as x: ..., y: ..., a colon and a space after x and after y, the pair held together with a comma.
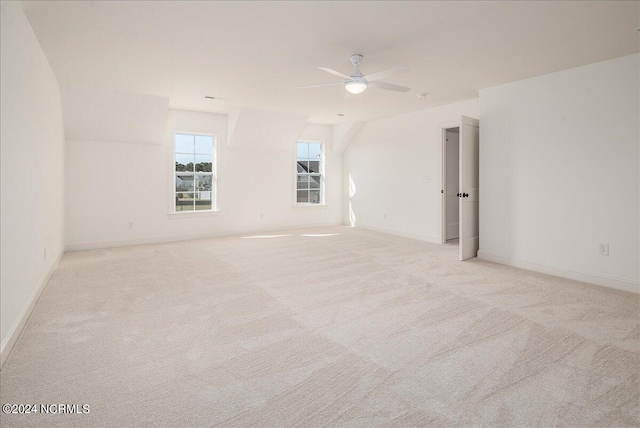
x: 356, y: 74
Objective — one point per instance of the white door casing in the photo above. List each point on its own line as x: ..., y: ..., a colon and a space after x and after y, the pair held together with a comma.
x: 469, y: 187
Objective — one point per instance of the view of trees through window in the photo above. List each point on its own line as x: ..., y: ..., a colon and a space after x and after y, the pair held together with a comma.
x: 309, y: 176
x: 194, y: 172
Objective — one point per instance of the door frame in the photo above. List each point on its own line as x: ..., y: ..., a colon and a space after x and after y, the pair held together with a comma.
x: 443, y: 178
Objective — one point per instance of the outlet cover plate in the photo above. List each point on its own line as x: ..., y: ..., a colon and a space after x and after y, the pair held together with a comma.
x: 603, y: 249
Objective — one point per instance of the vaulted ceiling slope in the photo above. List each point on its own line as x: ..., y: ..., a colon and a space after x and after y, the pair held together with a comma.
x: 257, y: 54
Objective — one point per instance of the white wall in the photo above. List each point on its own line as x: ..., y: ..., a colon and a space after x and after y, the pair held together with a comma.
x: 248, y: 128
x: 559, y: 161
x: 111, y: 184
x: 32, y: 171
x: 387, y: 166
x: 108, y: 115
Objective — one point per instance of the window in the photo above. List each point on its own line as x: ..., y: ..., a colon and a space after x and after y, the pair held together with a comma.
x: 309, y: 178
x: 194, y: 172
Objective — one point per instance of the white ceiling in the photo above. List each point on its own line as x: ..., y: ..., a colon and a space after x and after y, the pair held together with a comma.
x: 257, y: 54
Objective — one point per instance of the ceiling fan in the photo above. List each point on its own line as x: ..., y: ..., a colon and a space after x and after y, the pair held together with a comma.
x: 356, y: 83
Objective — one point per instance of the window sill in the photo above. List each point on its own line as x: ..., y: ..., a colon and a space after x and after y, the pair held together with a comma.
x: 309, y: 206
x: 192, y: 214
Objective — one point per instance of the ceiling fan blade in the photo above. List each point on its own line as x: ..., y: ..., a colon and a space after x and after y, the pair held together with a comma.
x: 389, y: 86
x: 386, y: 73
x: 334, y: 72
x: 322, y: 84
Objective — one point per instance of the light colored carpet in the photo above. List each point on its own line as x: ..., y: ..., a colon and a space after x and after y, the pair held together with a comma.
x: 325, y: 327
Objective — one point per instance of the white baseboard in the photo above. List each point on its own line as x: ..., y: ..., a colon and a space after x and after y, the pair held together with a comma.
x: 19, y: 324
x: 79, y: 246
x: 576, y: 275
x: 400, y: 233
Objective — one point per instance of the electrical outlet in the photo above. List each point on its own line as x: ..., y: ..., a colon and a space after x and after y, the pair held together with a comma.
x: 603, y: 249
x: 44, y: 253
x: 130, y: 225
x: 261, y: 216
x: 384, y: 216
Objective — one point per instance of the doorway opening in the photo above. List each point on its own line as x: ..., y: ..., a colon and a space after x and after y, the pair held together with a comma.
x: 451, y: 185
x: 461, y: 186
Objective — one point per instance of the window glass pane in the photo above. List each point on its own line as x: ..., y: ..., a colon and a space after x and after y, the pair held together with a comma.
x: 303, y: 166
x: 204, y: 144
x: 303, y: 196
x: 184, y: 183
x: 315, y: 149
x: 204, y: 196
x: 303, y: 150
x: 309, y: 178
x: 314, y: 196
x: 184, y: 201
x: 204, y: 182
x: 204, y: 200
x: 303, y: 182
x: 194, y: 183
x: 204, y: 163
x: 314, y: 181
x: 184, y: 163
x: 184, y: 143
x: 314, y: 166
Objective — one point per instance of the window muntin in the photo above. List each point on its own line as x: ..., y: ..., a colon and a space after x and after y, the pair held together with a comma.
x: 194, y: 172
x: 309, y: 174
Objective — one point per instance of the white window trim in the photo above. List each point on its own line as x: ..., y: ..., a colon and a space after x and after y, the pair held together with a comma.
x: 173, y: 214
x: 323, y: 186
x: 188, y: 214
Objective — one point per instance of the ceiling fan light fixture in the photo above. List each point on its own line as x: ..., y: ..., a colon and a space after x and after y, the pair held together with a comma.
x: 355, y: 87
x: 356, y: 82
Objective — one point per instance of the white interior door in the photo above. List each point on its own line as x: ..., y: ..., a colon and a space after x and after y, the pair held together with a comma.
x: 452, y: 224
x: 469, y: 161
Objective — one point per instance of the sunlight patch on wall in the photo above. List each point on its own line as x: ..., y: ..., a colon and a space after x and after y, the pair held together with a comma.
x: 352, y: 187
x: 352, y: 216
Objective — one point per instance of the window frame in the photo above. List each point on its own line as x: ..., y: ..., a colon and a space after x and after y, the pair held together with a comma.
x: 322, y: 174
x: 214, y: 175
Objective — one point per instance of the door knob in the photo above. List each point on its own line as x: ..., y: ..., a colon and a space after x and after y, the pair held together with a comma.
x: 465, y: 195
x: 458, y: 195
